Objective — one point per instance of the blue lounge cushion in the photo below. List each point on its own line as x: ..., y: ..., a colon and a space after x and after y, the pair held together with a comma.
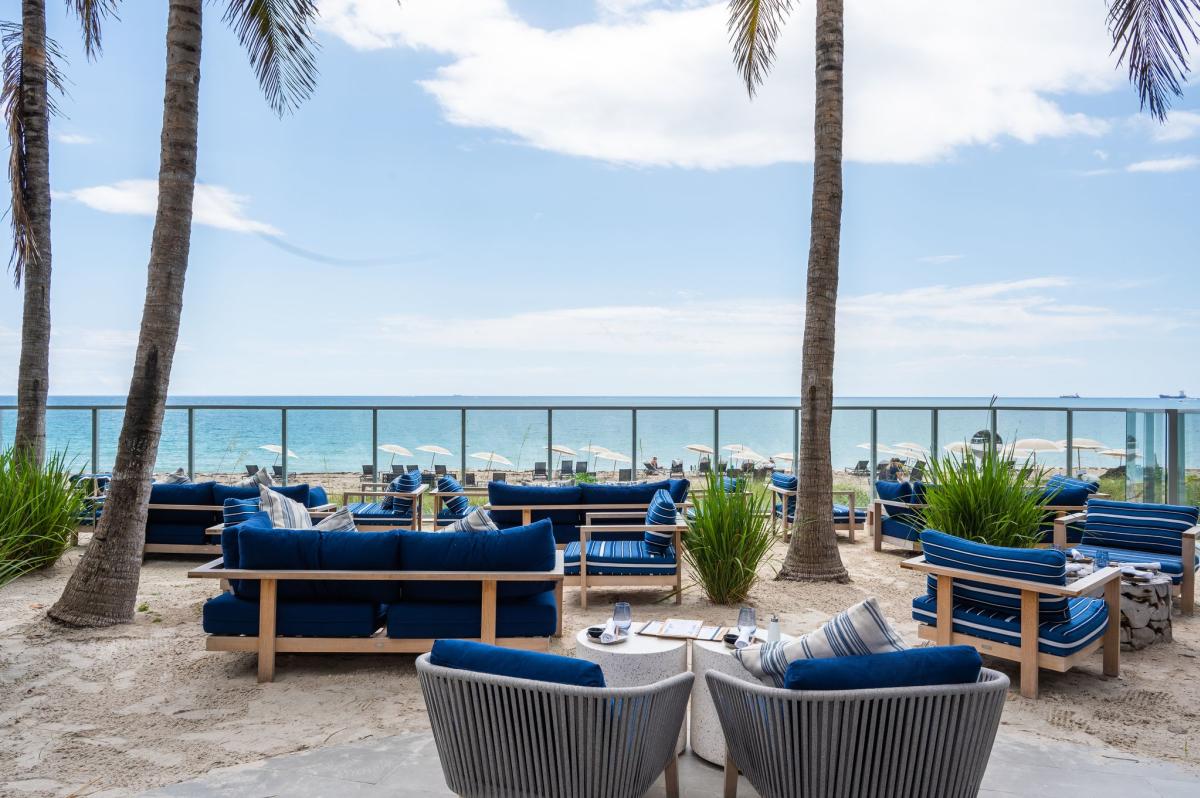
x: 789, y: 482
x: 190, y: 534
x: 1157, y: 528
x: 236, y: 511
x: 841, y: 513
x: 297, y: 493
x: 1060, y: 491
x: 316, y: 496
x: 621, y: 557
x: 902, y: 528
x: 1171, y: 565
x: 405, y: 483
x: 228, y: 614
x: 457, y: 506
x: 678, y: 488
x: 1087, y: 618
x: 915, y: 667
x: 499, y: 661
x: 374, y: 514
x: 310, y: 549
x: 198, y: 493
x: 532, y: 616
x: 633, y: 493
x: 523, y: 548
x: 661, y: 512
x: 1032, y: 565
x: 181, y: 526
x: 501, y: 494
x: 895, y: 492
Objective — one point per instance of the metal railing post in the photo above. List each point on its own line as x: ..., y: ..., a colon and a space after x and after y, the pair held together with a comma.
x: 933, y: 433
x: 462, y: 442
x: 1070, y: 441
x: 549, y: 443
x: 1176, y: 476
x: 716, y: 458
x: 283, y: 454
x: 191, y: 443
x: 633, y: 447
x: 375, y: 444
x: 992, y: 427
x: 873, y: 466
x: 95, y: 441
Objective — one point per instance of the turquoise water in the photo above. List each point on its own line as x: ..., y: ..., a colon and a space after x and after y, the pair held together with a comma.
x: 329, y: 440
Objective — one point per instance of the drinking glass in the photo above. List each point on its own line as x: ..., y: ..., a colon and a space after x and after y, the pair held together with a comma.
x: 1100, y: 560
x: 746, y: 620
x: 622, y: 615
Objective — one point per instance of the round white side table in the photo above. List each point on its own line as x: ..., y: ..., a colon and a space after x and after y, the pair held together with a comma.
x: 708, y: 741
x: 639, y: 661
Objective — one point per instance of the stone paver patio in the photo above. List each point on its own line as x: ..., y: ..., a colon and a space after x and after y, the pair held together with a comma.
x: 408, y: 765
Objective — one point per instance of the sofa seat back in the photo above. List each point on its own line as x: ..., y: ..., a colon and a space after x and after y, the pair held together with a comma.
x: 181, y: 526
x: 523, y: 548
x: 529, y: 616
x: 1155, y: 528
x: 501, y: 494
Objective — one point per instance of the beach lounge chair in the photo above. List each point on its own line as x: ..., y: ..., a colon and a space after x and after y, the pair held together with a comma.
x: 414, y: 467
x: 917, y: 473
x: 277, y: 471
x: 439, y: 471
x: 502, y: 735
x: 539, y: 471
x: 397, y: 470
x: 251, y: 470
x: 368, y: 473
x: 469, y: 479
x: 677, y: 468
x: 650, y: 468
x: 1015, y: 604
x: 861, y: 469
x: 581, y: 467
x: 499, y: 476
x: 704, y: 466
x: 1132, y: 534
x: 625, y: 475
x: 566, y: 469
x: 895, y: 741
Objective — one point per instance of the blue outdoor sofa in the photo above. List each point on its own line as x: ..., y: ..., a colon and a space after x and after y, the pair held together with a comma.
x: 180, y: 515
x: 786, y: 490
x: 394, y: 591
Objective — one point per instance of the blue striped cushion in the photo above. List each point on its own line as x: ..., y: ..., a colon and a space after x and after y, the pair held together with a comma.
x: 235, y: 511
x: 621, y: 557
x: 1032, y: 565
x: 340, y: 520
x: 787, y: 482
x: 405, y: 483
x: 457, y: 505
x: 661, y: 511
x: 1139, y: 527
x: 284, y: 512
x: 1172, y: 565
x: 478, y: 520
x: 1085, y: 622
x: 374, y: 512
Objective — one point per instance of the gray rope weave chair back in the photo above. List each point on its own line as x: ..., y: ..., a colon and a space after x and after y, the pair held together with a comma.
x: 505, y: 737
x: 904, y: 742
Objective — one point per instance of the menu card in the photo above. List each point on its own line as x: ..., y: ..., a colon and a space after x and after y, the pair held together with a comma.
x: 681, y: 628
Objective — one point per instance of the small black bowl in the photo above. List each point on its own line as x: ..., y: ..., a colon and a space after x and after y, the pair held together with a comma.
x: 595, y: 631
x: 731, y: 638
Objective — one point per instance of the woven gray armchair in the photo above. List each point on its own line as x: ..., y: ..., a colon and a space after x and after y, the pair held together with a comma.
x: 903, y: 742
x: 499, y: 737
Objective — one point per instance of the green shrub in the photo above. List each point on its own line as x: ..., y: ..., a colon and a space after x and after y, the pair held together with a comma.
x: 986, y: 497
x: 39, y: 512
x: 727, y: 540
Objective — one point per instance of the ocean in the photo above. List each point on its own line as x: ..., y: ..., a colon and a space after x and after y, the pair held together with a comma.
x: 230, y: 430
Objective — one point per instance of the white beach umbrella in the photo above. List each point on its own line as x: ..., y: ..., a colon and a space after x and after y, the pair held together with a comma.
x: 1119, y: 454
x: 735, y: 447
x: 1081, y: 445
x: 883, y: 449
x: 788, y: 456
x: 395, y: 449
x: 560, y: 449
x: 957, y: 447
x: 492, y: 457
x: 1034, y: 446
x: 750, y: 455
x: 434, y: 450
x: 914, y: 450
x: 277, y: 450
x: 699, y: 448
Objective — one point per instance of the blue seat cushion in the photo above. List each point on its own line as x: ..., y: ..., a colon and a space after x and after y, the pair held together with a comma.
x: 1087, y: 618
x: 227, y: 614
x: 177, y: 534
x: 374, y: 513
x: 1172, y: 565
x: 786, y: 482
x: 499, y: 661
x: 902, y: 528
x: 405, y: 483
x: 915, y: 667
x: 678, y: 488
x: 632, y: 493
x: 1060, y: 491
x: 621, y: 557
x: 310, y: 549
x: 1031, y: 565
x: 531, y: 616
x: 1139, y: 527
x: 896, y: 492
x: 501, y: 494
x: 522, y: 548
x: 297, y: 493
x: 460, y: 505
x: 199, y: 494
x: 841, y: 512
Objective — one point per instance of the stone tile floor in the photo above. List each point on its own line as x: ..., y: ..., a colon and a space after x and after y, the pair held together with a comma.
x: 407, y: 765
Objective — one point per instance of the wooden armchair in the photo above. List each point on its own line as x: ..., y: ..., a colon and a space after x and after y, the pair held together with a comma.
x: 623, y: 563
x: 907, y: 538
x: 780, y: 517
x: 1107, y: 580
x: 373, y: 493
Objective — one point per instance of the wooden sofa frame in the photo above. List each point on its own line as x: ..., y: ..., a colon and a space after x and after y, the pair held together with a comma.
x: 267, y: 646
x: 850, y: 526
x: 204, y: 548
x: 527, y: 511
x: 1185, y: 591
x: 585, y: 580
x: 1027, y: 655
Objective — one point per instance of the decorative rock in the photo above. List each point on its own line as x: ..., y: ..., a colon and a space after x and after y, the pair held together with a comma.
x: 1145, y: 613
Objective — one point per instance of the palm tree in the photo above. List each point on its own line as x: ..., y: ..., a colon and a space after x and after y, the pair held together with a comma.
x: 1152, y: 36
x: 103, y: 589
x: 754, y: 27
x: 30, y: 71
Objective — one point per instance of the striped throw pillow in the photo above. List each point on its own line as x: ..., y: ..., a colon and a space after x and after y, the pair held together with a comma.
x: 1030, y: 565
x: 478, y: 520
x: 458, y: 505
x: 1142, y: 527
x: 405, y: 483
x: 661, y: 511
x: 260, y: 477
x: 235, y: 511
x: 179, y: 477
x: 862, y: 629
x: 284, y: 513
x: 340, y: 520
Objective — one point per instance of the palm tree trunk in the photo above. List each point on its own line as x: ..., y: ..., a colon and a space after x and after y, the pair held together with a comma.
x: 813, y: 553
x: 34, y: 370
x: 103, y: 589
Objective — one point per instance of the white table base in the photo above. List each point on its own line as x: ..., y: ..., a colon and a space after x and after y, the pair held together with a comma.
x: 707, y: 739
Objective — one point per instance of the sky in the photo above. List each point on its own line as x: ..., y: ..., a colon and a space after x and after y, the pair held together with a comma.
x: 578, y: 198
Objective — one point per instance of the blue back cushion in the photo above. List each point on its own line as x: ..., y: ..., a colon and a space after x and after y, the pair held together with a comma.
x: 310, y: 549
x: 678, y: 488
x: 501, y: 494
x: 785, y: 482
x: 522, y: 548
x: 457, y: 505
x: 316, y: 496
x: 405, y: 483
x: 916, y: 667
x: 221, y: 493
x: 199, y: 494
x: 1063, y: 491
x: 895, y: 492
x: 1031, y: 565
x: 661, y: 511
x: 231, y: 553
x: 1156, y: 528
x: 238, y: 510
x: 499, y: 661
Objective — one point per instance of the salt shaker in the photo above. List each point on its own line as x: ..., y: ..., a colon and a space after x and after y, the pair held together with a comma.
x: 773, y: 629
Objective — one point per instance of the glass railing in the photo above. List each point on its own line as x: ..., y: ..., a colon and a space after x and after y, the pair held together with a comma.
x: 1148, y: 453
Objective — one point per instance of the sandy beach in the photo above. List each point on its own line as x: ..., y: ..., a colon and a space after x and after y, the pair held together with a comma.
x: 115, y: 711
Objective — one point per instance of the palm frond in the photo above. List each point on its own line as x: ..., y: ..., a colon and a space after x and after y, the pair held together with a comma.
x: 277, y: 35
x: 1152, y: 37
x: 754, y: 27
x: 25, y: 246
x: 91, y: 14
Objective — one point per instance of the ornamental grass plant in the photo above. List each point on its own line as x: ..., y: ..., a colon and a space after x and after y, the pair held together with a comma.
x: 40, y: 509
x: 727, y: 539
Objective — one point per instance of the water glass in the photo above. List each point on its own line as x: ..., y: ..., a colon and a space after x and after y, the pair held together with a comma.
x: 746, y: 620
x: 1100, y: 560
x: 622, y: 615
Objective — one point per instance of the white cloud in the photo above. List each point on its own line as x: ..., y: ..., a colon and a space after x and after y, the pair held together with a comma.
x: 1177, y: 164
x: 72, y: 138
x: 214, y: 206
x: 1180, y: 126
x: 83, y: 360
x: 1101, y: 154
x: 654, y: 86
x: 938, y: 260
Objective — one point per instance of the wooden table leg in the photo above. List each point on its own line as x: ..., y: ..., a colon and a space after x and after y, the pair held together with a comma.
x: 1112, y: 633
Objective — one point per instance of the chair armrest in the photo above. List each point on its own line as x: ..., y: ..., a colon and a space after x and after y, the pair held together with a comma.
x: 328, y: 507
x: 1070, y: 519
x: 1192, y: 533
x: 589, y: 528
x: 620, y: 514
x: 216, y: 570
x: 846, y: 493
x: 1082, y: 587
x: 782, y: 491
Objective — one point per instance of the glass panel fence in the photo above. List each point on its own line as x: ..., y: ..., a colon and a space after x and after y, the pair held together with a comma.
x: 1189, y: 457
x: 851, y: 461
x: 755, y: 441
x: 1145, y: 456
x: 904, y: 439
x: 507, y: 445
x: 327, y: 447
x: 1038, y: 436
x: 68, y: 432
x: 959, y: 428
x: 231, y: 443
x: 686, y: 435
x: 581, y: 436
x: 421, y: 439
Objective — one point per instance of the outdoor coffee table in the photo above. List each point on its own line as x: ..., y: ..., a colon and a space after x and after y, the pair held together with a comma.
x: 1145, y: 610
x: 639, y: 661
